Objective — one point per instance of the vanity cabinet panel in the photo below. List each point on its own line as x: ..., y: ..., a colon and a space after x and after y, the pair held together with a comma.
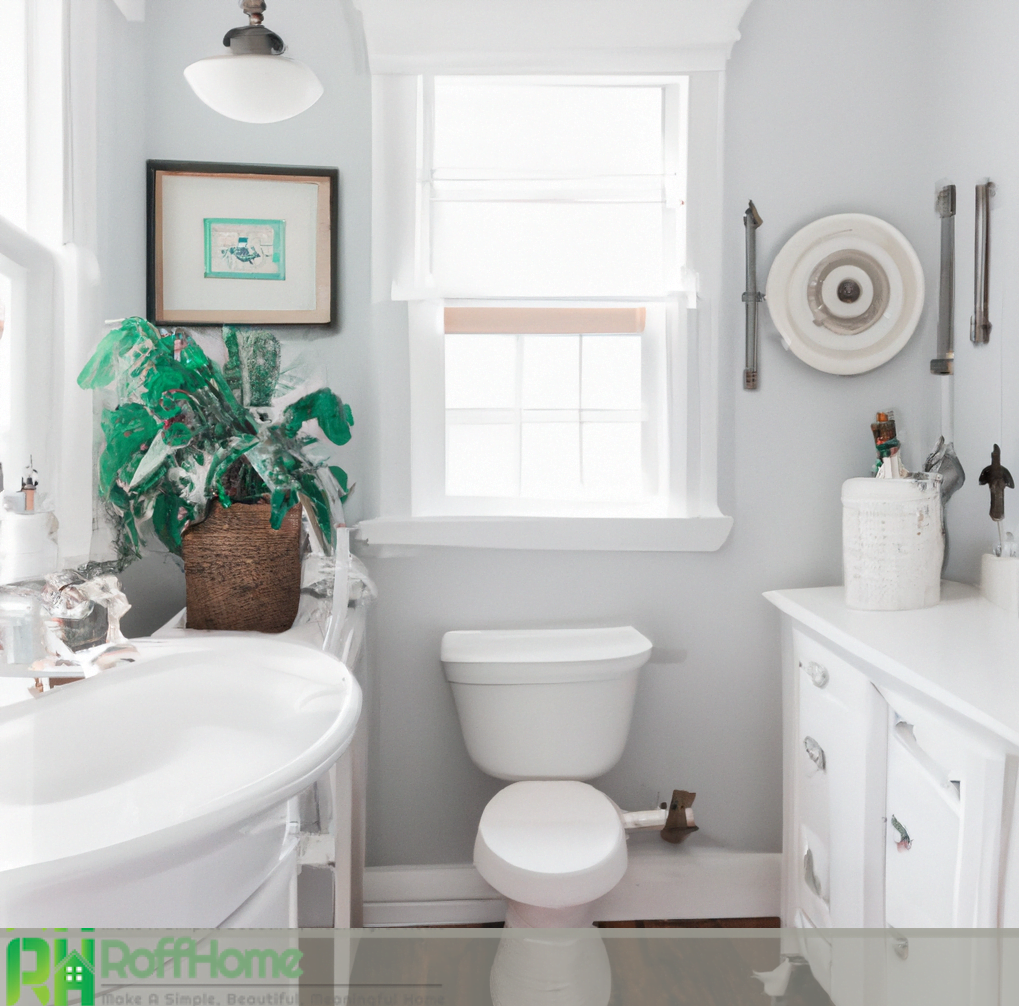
x: 838, y: 762
x: 953, y: 781
x: 923, y: 837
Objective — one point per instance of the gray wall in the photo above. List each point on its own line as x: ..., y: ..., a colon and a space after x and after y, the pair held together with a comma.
x: 822, y: 117
x: 147, y: 110
x: 830, y: 107
x: 973, y: 94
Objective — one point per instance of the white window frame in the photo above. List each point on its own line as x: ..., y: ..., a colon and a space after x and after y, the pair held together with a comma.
x: 692, y: 521
x: 46, y: 253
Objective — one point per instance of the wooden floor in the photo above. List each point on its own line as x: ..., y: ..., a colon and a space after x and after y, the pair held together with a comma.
x: 767, y: 922
x: 647, y: 969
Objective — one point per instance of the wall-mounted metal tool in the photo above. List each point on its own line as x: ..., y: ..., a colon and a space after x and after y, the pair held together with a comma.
x: 752, y: 297
x: 945, y: 360
x: 980, y: 326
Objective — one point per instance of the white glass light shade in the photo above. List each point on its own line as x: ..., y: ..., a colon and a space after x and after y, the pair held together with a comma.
x: 254, y: 88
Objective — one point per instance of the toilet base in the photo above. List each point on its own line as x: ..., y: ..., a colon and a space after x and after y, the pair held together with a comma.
x: 521, y: 916
x: 557, y: 969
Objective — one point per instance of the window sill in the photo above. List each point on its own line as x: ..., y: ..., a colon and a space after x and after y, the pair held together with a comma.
x: 576, y: 534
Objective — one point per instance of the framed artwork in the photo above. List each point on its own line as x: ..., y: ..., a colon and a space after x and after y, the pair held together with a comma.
x: 241, y: 244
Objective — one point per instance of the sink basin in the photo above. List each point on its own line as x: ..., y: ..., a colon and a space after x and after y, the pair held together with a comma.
x: 155, y: 794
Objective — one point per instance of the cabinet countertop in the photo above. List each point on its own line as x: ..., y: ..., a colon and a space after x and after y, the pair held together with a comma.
x: 962, y: 654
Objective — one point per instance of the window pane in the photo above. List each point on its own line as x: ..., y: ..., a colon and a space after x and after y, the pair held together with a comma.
x: 551, y: 372
x: 550, y: 460
x: 541, y: 129
x: 492, y: 249
x: 481, y: 460
x: 612, y: 460
x: 611, y: 372
x: 481, y: 371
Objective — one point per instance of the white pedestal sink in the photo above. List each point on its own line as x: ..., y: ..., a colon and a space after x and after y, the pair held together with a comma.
x: 154, y: 795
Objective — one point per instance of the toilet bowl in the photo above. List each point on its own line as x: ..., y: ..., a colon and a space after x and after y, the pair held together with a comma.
x: 551, y: 848
x: 546, y: 709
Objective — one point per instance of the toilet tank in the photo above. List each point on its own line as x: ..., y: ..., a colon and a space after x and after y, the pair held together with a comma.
x: 545, y: 703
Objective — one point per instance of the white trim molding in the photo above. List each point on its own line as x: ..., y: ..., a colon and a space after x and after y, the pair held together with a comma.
x: 661, y: 882
x: 566, y: 534
x: 556, y: 36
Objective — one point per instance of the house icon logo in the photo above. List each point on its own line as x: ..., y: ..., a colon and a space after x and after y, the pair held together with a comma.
x: 50, y: 969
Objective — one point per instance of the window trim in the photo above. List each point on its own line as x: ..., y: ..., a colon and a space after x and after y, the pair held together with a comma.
x: 568, y: 534
x: 698, y: 525
x: 54, y: 313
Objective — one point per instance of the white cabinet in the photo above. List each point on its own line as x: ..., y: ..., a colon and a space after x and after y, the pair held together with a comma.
x: 901, y: 743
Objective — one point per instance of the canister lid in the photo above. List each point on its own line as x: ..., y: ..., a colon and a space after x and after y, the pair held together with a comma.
x: 874, y: 490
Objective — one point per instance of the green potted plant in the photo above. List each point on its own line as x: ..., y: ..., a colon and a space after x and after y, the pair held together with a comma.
x: 200, y: 457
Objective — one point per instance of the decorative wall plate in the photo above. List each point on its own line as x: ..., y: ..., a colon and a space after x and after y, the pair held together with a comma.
x: 846, y: 293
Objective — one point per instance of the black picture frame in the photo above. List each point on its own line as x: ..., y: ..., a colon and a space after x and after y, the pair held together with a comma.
x: 326, y: 309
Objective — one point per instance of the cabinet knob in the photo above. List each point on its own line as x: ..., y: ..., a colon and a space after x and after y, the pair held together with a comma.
x: 817, y: 673
x: 901, y: 947
x: 815, y: 752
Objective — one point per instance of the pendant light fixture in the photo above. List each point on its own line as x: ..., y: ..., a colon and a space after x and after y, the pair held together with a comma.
x: 255, y: 82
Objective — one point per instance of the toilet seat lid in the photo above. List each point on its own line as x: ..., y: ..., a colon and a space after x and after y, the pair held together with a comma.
x: 551, y: 843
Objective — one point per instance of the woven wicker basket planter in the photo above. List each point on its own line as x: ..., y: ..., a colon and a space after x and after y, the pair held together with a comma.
x: 241, y: 574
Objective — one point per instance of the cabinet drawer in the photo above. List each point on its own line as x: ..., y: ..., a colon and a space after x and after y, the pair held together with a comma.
x: 829, y: 687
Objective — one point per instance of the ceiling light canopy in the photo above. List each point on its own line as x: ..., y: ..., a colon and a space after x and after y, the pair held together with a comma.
x: 255, y: 82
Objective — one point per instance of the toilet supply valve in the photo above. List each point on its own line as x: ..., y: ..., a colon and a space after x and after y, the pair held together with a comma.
x: 671, y: 819
x: 645, y: 820
x: 679, y: 823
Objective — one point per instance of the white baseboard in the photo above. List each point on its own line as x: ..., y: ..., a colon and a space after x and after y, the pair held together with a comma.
x: 662, y: 881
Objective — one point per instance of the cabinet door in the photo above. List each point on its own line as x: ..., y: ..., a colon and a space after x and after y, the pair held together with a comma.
x: 923, y: 836
x: 945, y: 789
x: 839, y: 768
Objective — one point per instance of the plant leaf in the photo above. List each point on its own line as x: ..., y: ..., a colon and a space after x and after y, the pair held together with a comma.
x: 317, y: 503
x: 159, y: 450
x: 333, y: 416
x: 135, y: 338
x: 128, y: 429
x: 341, y: 480
x: 223, y: 458
x: 170, y: 516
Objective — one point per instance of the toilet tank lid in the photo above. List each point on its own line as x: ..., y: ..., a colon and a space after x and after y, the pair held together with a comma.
x: 542, y: 654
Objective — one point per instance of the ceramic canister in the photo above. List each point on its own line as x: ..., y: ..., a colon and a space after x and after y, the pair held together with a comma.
x: 892, y: 542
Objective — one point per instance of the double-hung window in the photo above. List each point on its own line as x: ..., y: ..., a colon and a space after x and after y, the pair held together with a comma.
x: 551, y: 226
x: 537, y: 227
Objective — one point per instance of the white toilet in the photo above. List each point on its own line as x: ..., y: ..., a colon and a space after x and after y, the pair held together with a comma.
x: 546, y: 708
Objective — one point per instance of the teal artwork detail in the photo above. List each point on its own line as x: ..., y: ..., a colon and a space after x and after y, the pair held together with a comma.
x: 245, y: 249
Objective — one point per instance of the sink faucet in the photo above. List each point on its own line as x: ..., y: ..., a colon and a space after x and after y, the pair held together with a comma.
x: 62, y: 628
